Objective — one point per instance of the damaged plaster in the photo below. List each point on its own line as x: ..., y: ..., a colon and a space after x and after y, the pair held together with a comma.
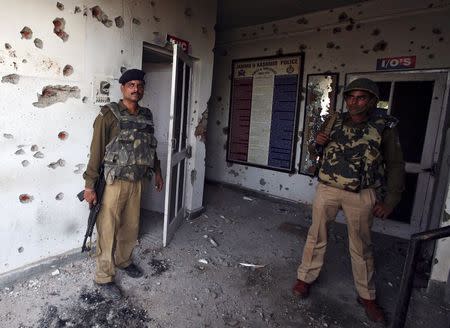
x: 59, y: 25
x: 11, y: 78
x: 201, y: 128
x: 54, y: 94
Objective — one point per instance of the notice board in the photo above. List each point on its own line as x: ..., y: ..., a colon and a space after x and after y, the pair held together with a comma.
x: 264, y: 108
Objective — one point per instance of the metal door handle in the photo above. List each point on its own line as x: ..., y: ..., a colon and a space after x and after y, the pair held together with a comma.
x: 433, y: 170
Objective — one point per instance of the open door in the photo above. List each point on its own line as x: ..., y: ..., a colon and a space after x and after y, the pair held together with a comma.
x: 178, y: 150
x: 416, y: 98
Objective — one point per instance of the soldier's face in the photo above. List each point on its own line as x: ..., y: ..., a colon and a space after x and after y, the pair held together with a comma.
x: 357, y: 101
x: 133, y: 90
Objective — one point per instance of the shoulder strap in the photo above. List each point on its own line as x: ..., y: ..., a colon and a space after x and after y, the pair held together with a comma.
x: 114, y: 107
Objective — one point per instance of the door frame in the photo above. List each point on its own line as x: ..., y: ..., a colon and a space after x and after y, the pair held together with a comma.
x: 435, y: 197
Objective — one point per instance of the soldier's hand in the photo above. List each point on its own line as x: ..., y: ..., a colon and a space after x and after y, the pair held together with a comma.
x: 381, y: 210
x: 90, y: 196
x: 322, y: 138
x: 159, y: 183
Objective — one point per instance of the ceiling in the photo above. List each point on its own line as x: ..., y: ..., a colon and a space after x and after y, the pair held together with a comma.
x: 239, y: 13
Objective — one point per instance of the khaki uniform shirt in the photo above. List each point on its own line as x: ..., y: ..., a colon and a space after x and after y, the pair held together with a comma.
x: 393, y: 160
x: 106, y: 127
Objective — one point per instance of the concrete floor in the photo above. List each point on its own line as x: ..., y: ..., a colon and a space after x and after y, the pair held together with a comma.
x: 179, y: 291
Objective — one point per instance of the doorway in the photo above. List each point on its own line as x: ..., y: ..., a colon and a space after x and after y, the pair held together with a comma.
x: 167, y: 94
x: 416, y: 98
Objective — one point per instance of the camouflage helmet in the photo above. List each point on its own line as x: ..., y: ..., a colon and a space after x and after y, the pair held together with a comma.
x: 364, y: 85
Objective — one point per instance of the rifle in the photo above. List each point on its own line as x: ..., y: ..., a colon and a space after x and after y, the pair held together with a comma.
x: 320, y: 148
x: 99, y: 188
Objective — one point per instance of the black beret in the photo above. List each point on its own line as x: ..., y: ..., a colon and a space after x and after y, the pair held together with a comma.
x: 132, y: 74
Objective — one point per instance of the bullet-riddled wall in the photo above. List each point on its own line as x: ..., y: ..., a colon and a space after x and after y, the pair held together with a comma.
x: 51, y: 57
x: 344, y: 40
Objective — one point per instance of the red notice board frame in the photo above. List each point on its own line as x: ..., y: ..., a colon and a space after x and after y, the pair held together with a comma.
x: 274, y: 108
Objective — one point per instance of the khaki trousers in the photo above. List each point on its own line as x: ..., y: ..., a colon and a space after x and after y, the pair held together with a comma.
x: 357, y: 208
x: 117, y: 228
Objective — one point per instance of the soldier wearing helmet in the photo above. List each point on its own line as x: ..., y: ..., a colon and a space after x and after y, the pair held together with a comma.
x: 362, y: 173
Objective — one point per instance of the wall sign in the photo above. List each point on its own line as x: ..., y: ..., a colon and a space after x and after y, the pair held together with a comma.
x: 393, y: 63
x: 264, y: 111
x: 184, y: 45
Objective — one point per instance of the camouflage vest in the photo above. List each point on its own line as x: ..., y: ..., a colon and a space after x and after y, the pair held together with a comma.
x: 352, y: 159
x: 131, y: 153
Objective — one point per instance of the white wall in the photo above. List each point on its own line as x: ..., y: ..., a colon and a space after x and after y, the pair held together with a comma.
x: 45, y: 226
x: 406, y: 26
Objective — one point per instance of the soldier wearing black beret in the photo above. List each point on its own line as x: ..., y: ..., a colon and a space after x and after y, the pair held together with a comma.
x: 126, y: 165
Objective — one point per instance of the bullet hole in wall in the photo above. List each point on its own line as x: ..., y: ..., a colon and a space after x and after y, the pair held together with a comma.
x: 412, y: 28
x: 67, y: 70
x: 20, y: 249
x: 59, y: 196
x: 19, y: 152
x: 63, y: 135
x: 302, y: 20
x: 262, y: 182
x: 188, y: 12
x: 349, y: 27
x: 34, y: 148
x: 431, y: 56
x: 85, y: 99
x: 7, y: 46
x: 342, y: 17
x: 218, y: 122
x: 366, y: 51
x: 279, y: 52
x: 119, y: 21
x: 98, y: 13
x: 225, y: 130
x: 157, y: 19
x: 380, y: 46
x: 219, y: 98
x: 330, y: 45
x: 25, y: 163
x: 136, y: 21
x: 25, y: 198
x: 337, y: 30
x: 302, y: 47
x: 77, y: 10
x: 24, y: 61
x: 337, y: 47
x: 205, y: 30
x: 59, y: 24
x: 193, y: 176
x: 441, y: 39
x: 52, y: 94
x: 376, y: 32
x: 60, y: 6
x: 79, y: 169
x: 11, y: 78
x: 152, y: 3
x: 26, y: 33
x: 8, y: 136
x: 38, y: 43
x: 436, y: 31
x: 38, y: 155
x: 320, y: 55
